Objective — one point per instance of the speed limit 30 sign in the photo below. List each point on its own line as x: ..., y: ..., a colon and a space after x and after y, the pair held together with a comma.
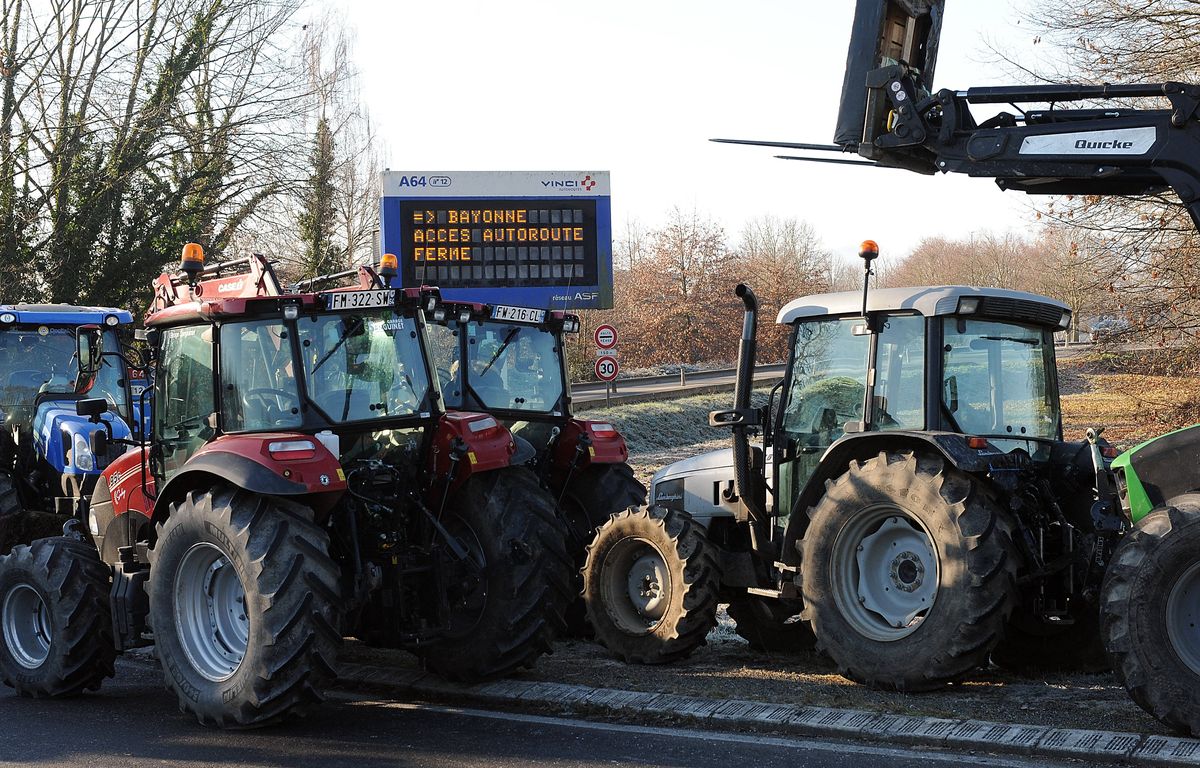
x: 606, y: 368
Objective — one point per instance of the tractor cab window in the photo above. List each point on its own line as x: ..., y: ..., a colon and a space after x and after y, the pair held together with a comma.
x: 364, y: 365
x: 258, y: 377
x: 506, y: 366
x: 999, y: 379
x: 828, y: 384
x: 41, y: 359
x: 183, y: 395
x: 899, y: 401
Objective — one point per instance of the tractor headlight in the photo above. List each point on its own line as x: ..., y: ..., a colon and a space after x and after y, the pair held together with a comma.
x: 968, y: 305
x: 81, y: 454
x: 8, y: 318
x: 111, y: 320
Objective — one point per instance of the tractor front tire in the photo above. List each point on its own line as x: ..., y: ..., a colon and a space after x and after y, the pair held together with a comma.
x: 650, y: 585
x: 1149, y: 610
x: 507, y: 602
x: 770, y: 625
x: 245, y: 602
x: 594, y: 494
x: 56, y: 632
x: 908, y: 572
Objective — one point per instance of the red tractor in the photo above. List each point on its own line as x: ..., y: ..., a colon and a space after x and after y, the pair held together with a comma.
x: 510, y: 362
x: 303, y: 482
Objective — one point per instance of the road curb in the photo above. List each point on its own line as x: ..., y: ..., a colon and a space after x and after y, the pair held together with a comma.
x: 959, y: 735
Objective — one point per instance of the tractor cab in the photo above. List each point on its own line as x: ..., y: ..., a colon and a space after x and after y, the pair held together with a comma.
x: 948, y: 360
x: 46, y: 442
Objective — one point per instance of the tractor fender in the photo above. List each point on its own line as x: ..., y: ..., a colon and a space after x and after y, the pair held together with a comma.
x: 247, y: 462
x: 864, y: 445
x: 475, y: 442
x: 604, y: 444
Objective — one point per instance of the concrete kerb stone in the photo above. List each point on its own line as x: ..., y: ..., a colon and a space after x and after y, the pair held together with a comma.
x: 1106, y: 746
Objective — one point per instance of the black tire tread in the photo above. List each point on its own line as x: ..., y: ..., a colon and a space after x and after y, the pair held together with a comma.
x: 596, y: 493
x: 990, y: 558
x: 690, y: 555
x: 761, y: 621
x: 294, y: 593
x: 521, y: 622
x: 1141, y: 654
x: 82, y: 652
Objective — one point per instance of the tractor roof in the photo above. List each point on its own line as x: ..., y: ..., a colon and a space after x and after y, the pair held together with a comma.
x: 930, y: 301
x: 64, y: 314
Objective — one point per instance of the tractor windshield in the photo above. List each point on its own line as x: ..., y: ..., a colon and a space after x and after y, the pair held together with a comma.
x: 999, y: 379
x: 40, y: 359
x: 365, y: 365
x: 499, y: 366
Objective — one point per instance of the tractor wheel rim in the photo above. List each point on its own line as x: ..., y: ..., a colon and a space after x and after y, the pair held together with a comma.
x: 637, y: 586
x: 210, y: 612
x: 27, y: 630
x: 885, y: 573
x: 1183, y: 617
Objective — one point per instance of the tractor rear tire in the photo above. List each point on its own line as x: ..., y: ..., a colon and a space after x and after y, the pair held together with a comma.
x: 1150, y: 606
x: 56, y: 632
x: 245, y: 602
x: 10, y: 512
x: 594, y: 495
x: 508, y: 608
x: 771, y: 626
x: 1033, y: 647
x: 650, y: 585
x: 908, y: 572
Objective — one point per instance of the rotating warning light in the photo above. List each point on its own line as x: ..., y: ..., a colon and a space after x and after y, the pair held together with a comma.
x: 192, y: 262
x: 389, y: 265
x: 868, y: 250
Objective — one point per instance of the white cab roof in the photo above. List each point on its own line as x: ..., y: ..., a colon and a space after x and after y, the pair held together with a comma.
x: 929, y: 301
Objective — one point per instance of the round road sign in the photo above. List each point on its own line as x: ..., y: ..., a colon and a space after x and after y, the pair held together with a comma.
x: 606, y: 336
x: 606, y: 368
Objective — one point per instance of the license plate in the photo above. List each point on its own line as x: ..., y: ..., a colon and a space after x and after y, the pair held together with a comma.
x: 359, y: 299
x: 518, y: 314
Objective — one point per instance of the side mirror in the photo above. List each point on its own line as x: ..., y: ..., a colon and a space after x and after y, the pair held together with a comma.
x: 92, y: 407
x: 89, y: 348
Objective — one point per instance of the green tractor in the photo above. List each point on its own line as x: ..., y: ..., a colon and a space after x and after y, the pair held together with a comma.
x: 913, y: 508
x: 1150, y: 606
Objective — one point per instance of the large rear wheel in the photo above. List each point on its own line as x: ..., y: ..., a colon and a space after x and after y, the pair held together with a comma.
x: 1150, y: 612
x: 507, y: 596
x: 244, y: 601
x: 650, y: 585
x: 908, y: 572
x: 56, y: 636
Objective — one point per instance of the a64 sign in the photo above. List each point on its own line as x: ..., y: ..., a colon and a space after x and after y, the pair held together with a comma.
x: 607, y: 368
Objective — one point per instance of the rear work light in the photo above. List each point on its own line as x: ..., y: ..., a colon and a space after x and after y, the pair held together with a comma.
x: 292, y: 450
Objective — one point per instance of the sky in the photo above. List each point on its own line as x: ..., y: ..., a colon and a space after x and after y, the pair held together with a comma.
x: 638, y: 88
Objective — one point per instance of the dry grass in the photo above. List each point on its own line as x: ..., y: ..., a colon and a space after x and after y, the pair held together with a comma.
x: 1131, y: 407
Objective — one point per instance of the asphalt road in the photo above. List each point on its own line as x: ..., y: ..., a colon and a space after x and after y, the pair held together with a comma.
x: 135, y: 722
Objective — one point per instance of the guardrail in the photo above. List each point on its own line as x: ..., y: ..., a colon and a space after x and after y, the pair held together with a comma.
x: 683, y: 377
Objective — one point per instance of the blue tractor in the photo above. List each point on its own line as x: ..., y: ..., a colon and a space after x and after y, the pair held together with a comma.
x: 47, y: 460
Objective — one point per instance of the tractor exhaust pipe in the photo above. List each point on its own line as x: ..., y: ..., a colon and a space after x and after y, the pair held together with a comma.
x: 749, y: 491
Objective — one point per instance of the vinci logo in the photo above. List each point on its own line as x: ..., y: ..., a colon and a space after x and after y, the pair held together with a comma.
x: 586, y: 184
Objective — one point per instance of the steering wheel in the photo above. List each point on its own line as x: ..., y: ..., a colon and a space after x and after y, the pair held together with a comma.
x: 264, y: 392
